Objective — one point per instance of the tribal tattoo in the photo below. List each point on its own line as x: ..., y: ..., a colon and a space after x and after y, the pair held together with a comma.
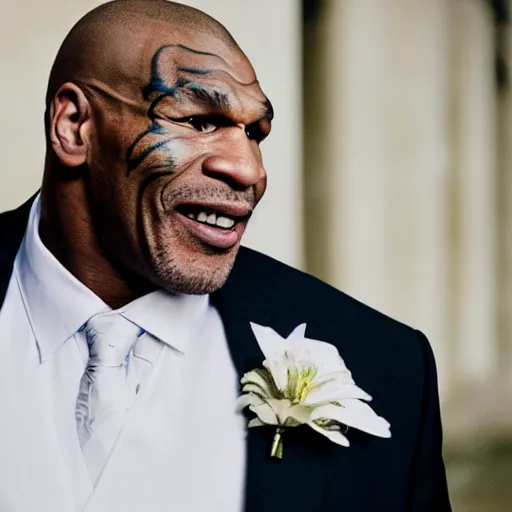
x: 155, y: 140
x: 155, y: 137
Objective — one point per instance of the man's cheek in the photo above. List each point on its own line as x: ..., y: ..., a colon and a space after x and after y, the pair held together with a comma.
x: 158, y: 148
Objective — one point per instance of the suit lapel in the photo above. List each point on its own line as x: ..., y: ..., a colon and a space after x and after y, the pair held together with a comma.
x: 295, y: 482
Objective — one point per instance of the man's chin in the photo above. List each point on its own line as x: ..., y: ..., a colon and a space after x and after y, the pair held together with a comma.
x: 198, y: 273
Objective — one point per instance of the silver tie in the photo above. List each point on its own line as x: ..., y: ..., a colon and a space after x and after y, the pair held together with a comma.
x: 106, y: 392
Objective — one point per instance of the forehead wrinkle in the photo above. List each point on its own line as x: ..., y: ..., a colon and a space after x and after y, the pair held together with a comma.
x: 193, y: 50
x: 193, y: 71
x: 205, y: 72
x: 168, y: 58
x: 171, y: 58
x: 97, y: 86
x: 201, y: 71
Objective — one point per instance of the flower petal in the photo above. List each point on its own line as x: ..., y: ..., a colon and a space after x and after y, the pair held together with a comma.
x: 288, y: 414
x: 265, y: 414
x: 255, y: 422
x: 300, y: 413
x: 254, y: 380
x: 249, y: 399
x: 254, y: 390
x: 334, y: 391
x: 356, y: 414
x: 271, y: 343
x: 279, y: 371
x: 324, y: 355
x: 252, y: 376
x: 334, y: 435
x: 281, y: 408
x: 298, y: 333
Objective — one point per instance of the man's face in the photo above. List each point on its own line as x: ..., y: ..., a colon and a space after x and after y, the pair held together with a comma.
x: 176, y: 172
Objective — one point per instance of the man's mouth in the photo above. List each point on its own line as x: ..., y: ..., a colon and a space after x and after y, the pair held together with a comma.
x: 213, y: 219
x: 219, y: 226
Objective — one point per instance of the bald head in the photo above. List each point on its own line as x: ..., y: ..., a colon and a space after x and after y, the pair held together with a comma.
x: 115, y: 32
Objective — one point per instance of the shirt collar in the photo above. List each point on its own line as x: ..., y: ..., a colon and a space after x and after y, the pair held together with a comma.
x: 171, y: 318
x: 58, y: 304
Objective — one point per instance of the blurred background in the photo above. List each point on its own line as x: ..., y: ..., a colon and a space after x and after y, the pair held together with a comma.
x: 390, y: 176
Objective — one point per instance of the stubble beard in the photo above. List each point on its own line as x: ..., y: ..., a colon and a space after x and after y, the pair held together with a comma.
x: 200, y: 270
x: 188, y: 276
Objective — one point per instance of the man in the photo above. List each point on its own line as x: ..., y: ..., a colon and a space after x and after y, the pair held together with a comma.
x: 127, y: 301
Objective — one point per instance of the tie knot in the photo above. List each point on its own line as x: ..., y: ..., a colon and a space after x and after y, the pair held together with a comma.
x: 110, y: 338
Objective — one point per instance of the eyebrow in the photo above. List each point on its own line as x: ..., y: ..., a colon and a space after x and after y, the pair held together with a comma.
x: 220, y: 100
x: 201, y: 95
x: 216, y: 99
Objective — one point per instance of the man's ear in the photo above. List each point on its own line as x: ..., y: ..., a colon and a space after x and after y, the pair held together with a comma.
x: 70, y: 119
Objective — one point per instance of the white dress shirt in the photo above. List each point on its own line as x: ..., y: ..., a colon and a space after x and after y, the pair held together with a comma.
x: 182, y: 447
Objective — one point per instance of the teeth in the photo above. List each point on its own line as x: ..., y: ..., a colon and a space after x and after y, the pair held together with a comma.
x: 224, y: 222
x: 212, y: 219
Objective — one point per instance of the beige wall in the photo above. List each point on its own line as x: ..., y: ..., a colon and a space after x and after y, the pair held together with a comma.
x: 30, y: 34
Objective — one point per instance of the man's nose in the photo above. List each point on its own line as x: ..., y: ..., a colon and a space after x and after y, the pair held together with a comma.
x: 235, y: 159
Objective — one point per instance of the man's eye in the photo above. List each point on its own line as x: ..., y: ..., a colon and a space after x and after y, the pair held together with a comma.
x: 203, y: 125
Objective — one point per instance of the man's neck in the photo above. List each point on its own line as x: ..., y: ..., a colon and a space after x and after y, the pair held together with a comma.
x: 67, y: 233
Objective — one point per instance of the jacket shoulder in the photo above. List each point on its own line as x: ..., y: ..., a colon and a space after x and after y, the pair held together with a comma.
x: 381, y: 352
x: 13, y: 222
x: 280, y: 283
x: 12, y: 228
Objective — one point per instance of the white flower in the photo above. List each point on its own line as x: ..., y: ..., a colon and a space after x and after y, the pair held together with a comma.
x: 306, y: 382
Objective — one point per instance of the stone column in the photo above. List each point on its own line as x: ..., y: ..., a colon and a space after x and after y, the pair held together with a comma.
x: 504, y: 189
x: 378, y: 174
x: 473, y: 193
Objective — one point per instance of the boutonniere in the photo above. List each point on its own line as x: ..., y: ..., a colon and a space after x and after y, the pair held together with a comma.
x: 305, y: 382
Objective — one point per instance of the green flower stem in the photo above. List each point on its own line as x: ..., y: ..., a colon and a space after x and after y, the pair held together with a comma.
x: 277, y: 444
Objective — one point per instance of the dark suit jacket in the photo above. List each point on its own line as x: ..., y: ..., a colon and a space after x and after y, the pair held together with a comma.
x: 390, y: 361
